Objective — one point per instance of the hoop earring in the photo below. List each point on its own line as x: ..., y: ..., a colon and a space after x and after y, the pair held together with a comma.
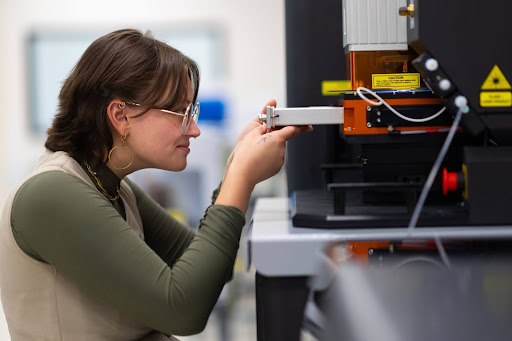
x: 122, y: 106
x: 123, y: 139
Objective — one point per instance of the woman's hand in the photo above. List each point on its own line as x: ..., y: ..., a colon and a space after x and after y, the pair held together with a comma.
x: 254, y: 124
x: 258, y: 156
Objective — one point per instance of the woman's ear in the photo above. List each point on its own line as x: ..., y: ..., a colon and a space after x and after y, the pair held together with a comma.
x: 116, y: 112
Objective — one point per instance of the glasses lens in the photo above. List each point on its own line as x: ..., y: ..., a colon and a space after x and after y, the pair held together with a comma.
x: 191, y: 114
x: 195, y: 112
x: 186, y: 120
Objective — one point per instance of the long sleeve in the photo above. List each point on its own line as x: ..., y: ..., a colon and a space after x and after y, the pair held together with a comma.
x: 163, y: 233
x: 167, y: 236
x: 59, y: 219
x: 215, y: 193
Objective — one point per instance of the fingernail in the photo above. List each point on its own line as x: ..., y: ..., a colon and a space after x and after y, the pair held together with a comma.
x: 310, y: 128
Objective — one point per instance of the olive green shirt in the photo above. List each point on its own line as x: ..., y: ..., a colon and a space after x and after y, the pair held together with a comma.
x: 170, y: 281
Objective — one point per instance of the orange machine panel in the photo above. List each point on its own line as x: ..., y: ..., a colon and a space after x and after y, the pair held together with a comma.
x: 360, y: 251
x: 362, y: 64
x: 355, y: 123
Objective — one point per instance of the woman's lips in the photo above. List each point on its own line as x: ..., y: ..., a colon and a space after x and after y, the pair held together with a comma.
x: 185, y: 148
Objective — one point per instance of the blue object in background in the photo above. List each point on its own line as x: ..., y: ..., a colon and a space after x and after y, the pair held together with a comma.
x: 212, y: 111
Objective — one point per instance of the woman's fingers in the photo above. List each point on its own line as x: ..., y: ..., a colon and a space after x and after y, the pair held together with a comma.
x: 289, y: 132
x: 259, y: 130
x: 256, y: 122
x: 271, y: 103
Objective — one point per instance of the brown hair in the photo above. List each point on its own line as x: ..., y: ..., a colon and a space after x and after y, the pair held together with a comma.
x: 124, y: 64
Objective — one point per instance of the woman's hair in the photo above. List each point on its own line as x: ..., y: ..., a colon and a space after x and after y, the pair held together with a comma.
x: 124, y: 64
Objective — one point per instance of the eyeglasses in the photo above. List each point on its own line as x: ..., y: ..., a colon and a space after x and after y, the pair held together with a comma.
x: 191, y: 113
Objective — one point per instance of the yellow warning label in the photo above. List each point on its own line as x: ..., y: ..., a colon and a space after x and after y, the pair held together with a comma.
x: 333, y: 88
x: 396, y: 81
x: 496, y: 99
x: 496, y: 80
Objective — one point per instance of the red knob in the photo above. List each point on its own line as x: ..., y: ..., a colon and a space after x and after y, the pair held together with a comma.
x: 449, y: 181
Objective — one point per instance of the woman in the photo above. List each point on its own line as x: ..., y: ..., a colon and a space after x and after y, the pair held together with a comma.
x: 86, y: 254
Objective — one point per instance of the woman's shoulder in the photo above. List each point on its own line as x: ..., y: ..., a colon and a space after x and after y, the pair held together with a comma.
x: 51, y: 179
x: 51, y: 186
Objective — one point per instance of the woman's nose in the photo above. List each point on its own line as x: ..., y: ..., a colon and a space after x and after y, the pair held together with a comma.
x: 193, y: 130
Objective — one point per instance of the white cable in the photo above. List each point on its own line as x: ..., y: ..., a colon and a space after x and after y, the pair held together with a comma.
x: 418, y: 259
x: 442, y: 252
x: 381, y: 101
x: 434, y: 170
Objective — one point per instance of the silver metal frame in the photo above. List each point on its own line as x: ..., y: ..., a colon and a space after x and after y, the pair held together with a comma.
x: 275, y: 117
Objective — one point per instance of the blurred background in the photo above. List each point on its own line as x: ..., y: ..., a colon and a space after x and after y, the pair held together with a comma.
x: 240, y: 48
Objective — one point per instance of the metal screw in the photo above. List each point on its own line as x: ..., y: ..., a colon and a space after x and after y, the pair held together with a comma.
x: 378, y: 113
x: 370, y: 252
x: 378, y: 119
x: 369, y: 124
x: 349, y: 128
x: 368, y: 108
x: 391, y: 129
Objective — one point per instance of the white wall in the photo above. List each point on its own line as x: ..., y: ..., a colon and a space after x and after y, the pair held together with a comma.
x: 255, y: 53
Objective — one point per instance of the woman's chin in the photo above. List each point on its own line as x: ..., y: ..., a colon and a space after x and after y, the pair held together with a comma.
x: 177, y: 167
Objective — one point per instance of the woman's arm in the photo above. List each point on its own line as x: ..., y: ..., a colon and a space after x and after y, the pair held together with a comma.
x: 67, y: 223
x: 257, y: 157
x: 163, y: 233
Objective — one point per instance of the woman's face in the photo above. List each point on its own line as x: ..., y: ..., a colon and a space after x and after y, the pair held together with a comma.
x: 156, y: 139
